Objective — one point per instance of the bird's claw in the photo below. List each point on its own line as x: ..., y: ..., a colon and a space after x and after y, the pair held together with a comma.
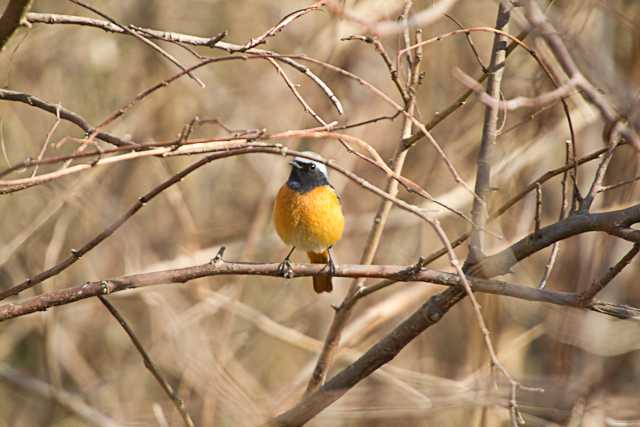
x: 285, y: 269
x: 331, y: 267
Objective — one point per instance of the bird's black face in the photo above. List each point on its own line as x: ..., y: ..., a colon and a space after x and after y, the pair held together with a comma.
x: 306, y: 175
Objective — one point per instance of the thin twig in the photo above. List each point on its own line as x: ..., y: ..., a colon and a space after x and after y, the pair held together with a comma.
x: 587, y: 296
x: 538, y: 215
x: 604, y: 188
x: 596, y: 185
x: 393, y: 71
x: 212, y: 42
x: 72, y: 403
x: 305, y: 105
x: 343, y: 312
x: 472, y: 45
x: 589, y: 92
x: 148, y: 363
x: 553, y: 256
x: 143, y: 39
x: 289, y: 18
x: 58, y: 110
x: 46, y: 141
x: 540, y: 101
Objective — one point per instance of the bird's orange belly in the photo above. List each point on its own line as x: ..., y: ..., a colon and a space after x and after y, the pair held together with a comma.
x: 310, y: 221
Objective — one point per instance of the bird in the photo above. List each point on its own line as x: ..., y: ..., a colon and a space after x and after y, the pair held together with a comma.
x: 307, y: 215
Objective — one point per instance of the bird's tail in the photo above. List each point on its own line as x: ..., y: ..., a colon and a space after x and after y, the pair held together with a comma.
x: 320, y: 283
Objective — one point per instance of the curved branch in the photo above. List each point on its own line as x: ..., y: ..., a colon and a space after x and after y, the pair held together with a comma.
x: 70, y: 116
x: 609, y: 222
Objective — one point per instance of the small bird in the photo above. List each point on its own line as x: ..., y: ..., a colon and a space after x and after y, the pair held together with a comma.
x: 308, y: 216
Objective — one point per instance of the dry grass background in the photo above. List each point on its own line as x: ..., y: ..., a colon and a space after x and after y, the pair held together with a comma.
x: 232, y: 345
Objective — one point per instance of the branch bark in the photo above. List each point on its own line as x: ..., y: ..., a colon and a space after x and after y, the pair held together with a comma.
x: 12, y: 18
x: 480, y: 211
x: 221, y: 268
x: 378, y: 355
x: 612, y: 222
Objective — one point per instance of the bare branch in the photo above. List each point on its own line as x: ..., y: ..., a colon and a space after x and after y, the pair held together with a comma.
x: 588, y: 91
x: 388, y: 100
x: 587, y: 296
x: 387, y: 28
x: 609, y: 222
x: 393, y: 72
x: 212, y: 42
x: 480, y: 210
x: 12, y: 17
x: 596, y: 185
x: 143, y: 39
x: 57, y: 109
x: 539, y: 101
x: 397, y: 272
x: 148, y: 363
x: 289, y: 18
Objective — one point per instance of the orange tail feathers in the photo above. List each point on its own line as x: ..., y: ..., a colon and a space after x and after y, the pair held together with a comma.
x: 320, y: 283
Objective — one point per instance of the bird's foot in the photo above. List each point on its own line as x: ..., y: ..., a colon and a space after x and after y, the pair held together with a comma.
x: 331, y: 266
x: 285, y: 269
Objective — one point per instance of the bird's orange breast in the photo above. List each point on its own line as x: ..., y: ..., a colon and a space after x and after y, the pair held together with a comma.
x: 310, y: 221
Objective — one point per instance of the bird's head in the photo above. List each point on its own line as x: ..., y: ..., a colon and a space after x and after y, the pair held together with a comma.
x: 307, y: 174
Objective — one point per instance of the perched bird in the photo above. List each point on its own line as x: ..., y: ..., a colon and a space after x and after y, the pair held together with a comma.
x: 307, y: 215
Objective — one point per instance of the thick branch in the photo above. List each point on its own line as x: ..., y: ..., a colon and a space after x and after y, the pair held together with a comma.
x: 609, y: 222
x: 12, y: 18
x: 378, y: 355
x: 183, y: 275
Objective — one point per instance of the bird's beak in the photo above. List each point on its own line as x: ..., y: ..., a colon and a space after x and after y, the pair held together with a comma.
x: 295, y: 164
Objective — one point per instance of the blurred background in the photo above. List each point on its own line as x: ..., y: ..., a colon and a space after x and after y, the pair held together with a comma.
x: 240, y: 349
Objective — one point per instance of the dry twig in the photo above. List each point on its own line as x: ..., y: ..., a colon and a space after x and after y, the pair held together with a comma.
x: 148, y: 363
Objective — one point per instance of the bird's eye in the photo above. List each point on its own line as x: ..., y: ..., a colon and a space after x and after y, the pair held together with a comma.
x: 313, y: 166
